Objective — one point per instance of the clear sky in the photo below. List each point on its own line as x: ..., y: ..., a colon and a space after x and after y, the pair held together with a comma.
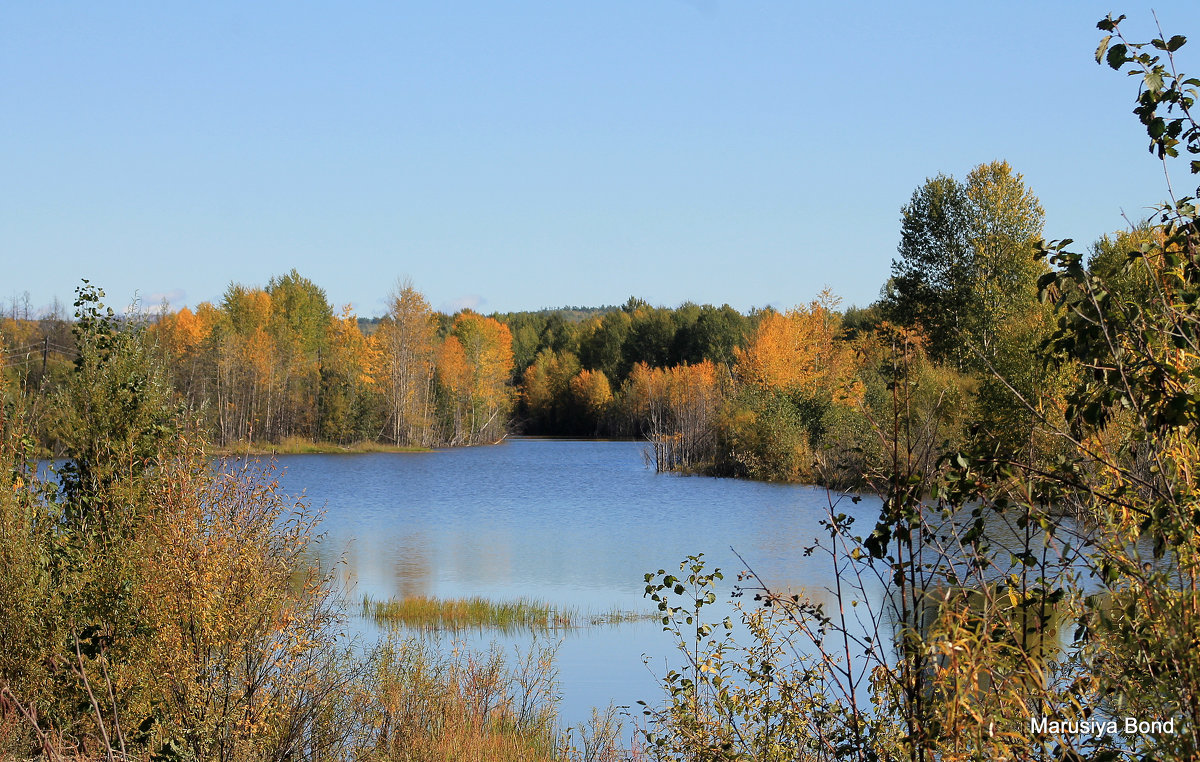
x: 514, y: 155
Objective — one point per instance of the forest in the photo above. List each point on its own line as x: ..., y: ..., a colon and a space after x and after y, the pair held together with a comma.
x: 158, y: 605
x: 786, y: 396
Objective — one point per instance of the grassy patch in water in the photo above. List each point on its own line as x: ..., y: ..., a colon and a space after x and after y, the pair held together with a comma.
x: 421, y: 612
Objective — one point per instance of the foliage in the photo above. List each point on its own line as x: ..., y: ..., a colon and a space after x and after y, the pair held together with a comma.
x: 764, y: 436
x: 1034, y: 597
x: 113, y: 417
x: 761, y: 701
x: 482, y: 400
x: 966, y: 263
x: 405, y: 341
x: 243, y: 661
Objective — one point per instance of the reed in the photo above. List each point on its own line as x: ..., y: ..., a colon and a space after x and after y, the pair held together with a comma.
x: 422, y: 612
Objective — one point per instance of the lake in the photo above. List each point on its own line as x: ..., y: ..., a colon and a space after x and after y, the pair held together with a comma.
x: 575, y: 523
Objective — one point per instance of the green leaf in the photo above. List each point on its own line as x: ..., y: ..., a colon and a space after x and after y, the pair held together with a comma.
x: 1103, y: 47
x: 1116, y: 56
x: 1176, y: 42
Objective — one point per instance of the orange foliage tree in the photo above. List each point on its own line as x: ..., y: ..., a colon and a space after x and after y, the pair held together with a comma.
x: 800, y: 351
x: 679, y: 407
x: 454, y: 386
x: 186, y: 339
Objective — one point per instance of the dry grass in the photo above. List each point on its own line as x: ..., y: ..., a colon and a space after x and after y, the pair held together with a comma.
x: 426, y: 704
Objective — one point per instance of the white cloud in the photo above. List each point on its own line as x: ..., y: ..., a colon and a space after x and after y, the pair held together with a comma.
x: 153, y: 303
x: 464, y: 302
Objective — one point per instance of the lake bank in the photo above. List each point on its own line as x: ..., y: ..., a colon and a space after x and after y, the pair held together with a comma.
x: 306, y: 447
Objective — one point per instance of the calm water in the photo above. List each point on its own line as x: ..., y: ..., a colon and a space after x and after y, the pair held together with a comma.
x: 576, y: 523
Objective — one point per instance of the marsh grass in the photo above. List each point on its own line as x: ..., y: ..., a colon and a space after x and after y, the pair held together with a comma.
x: 424, y: 613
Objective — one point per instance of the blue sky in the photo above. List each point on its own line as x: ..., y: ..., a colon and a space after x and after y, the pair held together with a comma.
x: 516, y: 155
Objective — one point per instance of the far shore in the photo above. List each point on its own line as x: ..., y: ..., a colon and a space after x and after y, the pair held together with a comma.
x: 306, y: 447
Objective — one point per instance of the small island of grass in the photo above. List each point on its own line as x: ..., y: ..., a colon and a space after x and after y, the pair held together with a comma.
x: 425, y: 613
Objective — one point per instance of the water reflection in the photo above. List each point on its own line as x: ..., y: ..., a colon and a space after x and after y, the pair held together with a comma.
x: 573, y: 523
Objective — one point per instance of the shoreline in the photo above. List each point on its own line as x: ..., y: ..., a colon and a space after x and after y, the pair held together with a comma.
x: 310, y: 448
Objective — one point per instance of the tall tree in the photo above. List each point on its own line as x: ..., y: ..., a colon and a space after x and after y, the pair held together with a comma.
x: 966, y: 262
x: 487, y: 347
x: 1004, y: 222
x: 406, y: 342
x: 931, y: 280
x: 544, y: 387
x: 300, y: 321
x: 348, y: 383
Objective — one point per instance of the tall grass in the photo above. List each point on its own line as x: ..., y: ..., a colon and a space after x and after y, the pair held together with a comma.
x: 425, y: 613
x: 426, y: 704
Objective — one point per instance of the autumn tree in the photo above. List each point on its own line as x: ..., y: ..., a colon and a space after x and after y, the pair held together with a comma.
x: 799, y: 351
x: 185, y: 338
x: 246, y: 365
x: 545, y: 386
x: 643, y: 402
x: 349, y: 383
x: 694, y: 394
x: 487, y: 348
x: 797, y: 373
x: 406, y: 344
x: 592, y: 396
x: 453, y: 374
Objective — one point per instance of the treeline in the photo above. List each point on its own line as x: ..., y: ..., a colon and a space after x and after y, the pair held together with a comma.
x: 276, y: 363
x: 964, y: 319
x: 799, y: 395
x: 793, y: 395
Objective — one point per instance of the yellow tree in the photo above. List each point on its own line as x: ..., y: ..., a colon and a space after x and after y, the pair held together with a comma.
x: 644, y: 400
x: 487, y: 346
x: 406, y: 343
x: 348, y: 379
x: 694, y: 396
x: 246, y: 361
x: 545, y: 389
x: 799, y: 351
x: 453, y: 375
x: 185, y: 338
x: 592, y: 396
